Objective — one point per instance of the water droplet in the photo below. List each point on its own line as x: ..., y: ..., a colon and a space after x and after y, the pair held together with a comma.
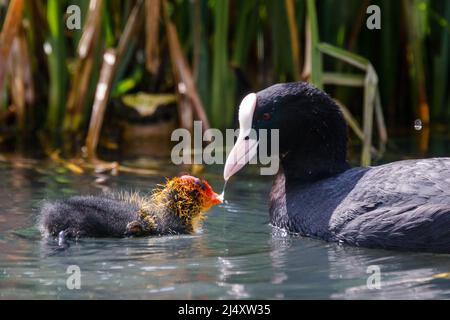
x: 182, y: 87
x: 222, y: 195
x: 48, y: 48
x: 418, y: 125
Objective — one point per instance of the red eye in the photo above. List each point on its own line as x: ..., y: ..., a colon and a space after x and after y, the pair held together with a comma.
x: 266, y: 116
x: 200, y: 183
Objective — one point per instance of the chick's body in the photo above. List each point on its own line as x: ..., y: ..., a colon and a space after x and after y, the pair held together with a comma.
x: 175, y: 208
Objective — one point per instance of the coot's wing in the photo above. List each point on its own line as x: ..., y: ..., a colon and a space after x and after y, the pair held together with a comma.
x: 424, y: 228
x: 403, y: 205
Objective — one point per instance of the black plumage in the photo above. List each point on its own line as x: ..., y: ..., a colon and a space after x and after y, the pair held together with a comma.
x: 177, y: 207
x: 88, y: 216
x: 401, y: 205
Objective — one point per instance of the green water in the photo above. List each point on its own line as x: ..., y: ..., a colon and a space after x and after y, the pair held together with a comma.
x: 237, y: 254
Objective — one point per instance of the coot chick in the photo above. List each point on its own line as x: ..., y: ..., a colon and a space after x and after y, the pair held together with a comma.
x: 174, y: 208
x: 403, y: 205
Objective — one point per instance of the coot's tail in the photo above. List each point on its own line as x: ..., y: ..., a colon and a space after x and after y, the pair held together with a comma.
x: 87, y: 216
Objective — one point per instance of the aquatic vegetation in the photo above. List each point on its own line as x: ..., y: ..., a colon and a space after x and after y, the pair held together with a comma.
x: 209, y: 53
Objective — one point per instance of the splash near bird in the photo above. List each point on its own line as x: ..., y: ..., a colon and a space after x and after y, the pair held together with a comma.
x: 177, y: 207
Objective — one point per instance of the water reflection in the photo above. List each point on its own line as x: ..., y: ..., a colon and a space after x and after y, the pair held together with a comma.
x: 237, y: 254
x: 405, y: 275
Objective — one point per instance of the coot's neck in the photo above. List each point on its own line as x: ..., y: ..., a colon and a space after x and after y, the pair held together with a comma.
x: 293, y: 175
x: 301, y: 168
x: 313, y: 139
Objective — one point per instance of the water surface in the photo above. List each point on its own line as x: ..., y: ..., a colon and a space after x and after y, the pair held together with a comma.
x: 236, y: 255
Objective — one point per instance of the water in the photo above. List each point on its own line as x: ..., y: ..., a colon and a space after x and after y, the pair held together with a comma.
x: 237, y: 254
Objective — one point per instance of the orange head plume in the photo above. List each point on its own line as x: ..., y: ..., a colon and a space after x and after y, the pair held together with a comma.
x: 207, y: 196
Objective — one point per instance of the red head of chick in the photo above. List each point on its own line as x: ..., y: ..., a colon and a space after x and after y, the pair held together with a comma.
x: 182, y: 201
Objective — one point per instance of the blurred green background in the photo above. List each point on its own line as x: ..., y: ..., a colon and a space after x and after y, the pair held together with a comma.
x: 58, y: 87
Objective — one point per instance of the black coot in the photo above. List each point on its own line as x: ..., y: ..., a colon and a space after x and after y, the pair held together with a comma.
x: 402, y: 205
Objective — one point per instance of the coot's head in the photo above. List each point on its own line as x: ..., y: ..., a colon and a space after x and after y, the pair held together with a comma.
x: 188, y: 196
x: 199, y: 189
x: 312, y: 131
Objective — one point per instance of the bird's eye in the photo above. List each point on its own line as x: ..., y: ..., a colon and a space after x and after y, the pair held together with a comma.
x: 200, y: 184
x: 266, y: 116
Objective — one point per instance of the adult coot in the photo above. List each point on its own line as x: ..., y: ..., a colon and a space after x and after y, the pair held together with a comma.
x: 402, y: 205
